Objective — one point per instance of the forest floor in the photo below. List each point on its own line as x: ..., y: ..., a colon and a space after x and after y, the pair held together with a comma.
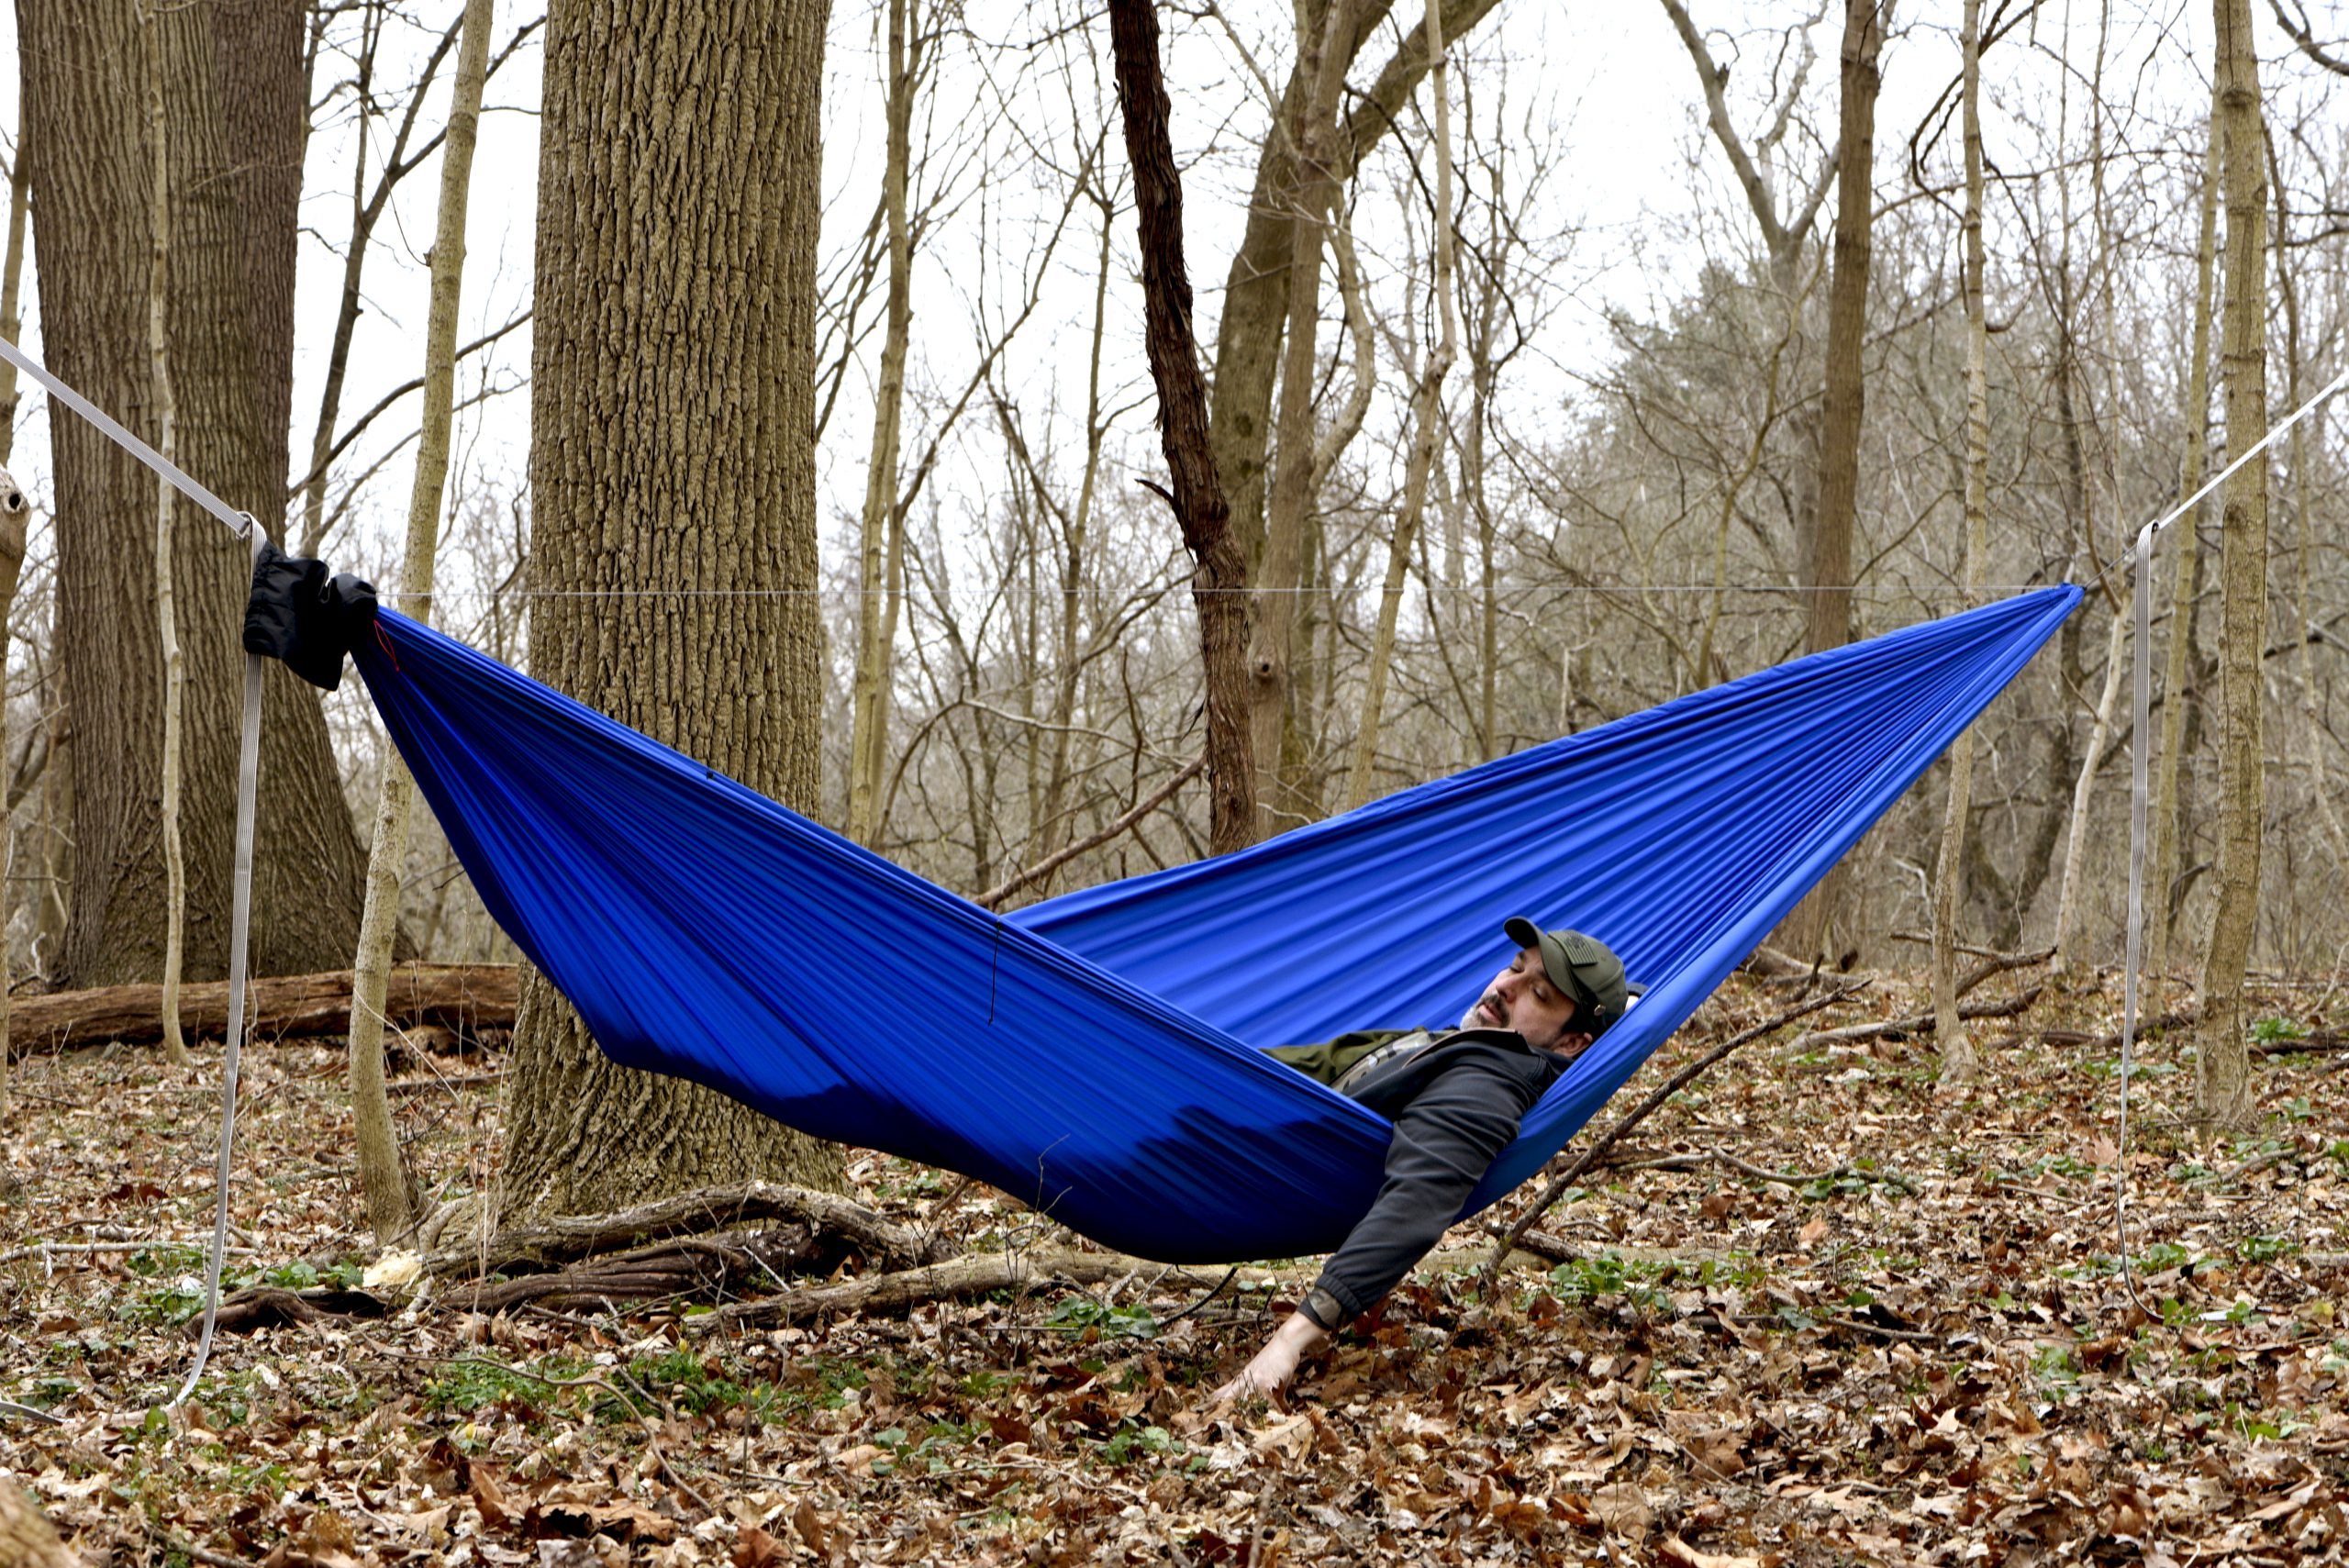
x: 1861, y: 1321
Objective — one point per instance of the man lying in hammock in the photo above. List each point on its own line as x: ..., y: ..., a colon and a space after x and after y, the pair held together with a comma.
x: 1455, y: 1097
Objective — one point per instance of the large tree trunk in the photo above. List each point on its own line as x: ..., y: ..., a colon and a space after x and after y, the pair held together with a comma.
x: 2222, y: 1095
x: 674, y: 484
x: 235, y: 97
x: 1815, y: 929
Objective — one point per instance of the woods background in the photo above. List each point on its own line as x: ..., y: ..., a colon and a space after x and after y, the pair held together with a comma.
x: 1638, y: 480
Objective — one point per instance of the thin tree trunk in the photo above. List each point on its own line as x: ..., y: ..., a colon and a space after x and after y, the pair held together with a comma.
x: 1218, y: 579
x: 1960, y: 1064
x: 697, y: 404
x: 12, y: 273
x: 1426, y: 408
x: 1816, y: 927
x: 2312, y: 726
x: 2186, y: 542
x: 1255, y: 294
x: 2108, y: 703
x: 16, y: 512
x: 884, y: 520
x: 1279, y: 576
x: 2222, y: 1096
x: 384, y: 1181
x: 1077, y: 526
x: 159, y: 369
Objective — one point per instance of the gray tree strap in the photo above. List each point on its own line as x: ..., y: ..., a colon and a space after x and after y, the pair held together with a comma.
x: 2139, y: 758
x: 241, y: 921
x: 248, y: 791
x: 240, y: 521
x: 2139, y: 559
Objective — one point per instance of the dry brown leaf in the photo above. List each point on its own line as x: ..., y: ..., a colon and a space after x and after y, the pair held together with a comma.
x: 1623, y: 1510
x: 1681, y: 1554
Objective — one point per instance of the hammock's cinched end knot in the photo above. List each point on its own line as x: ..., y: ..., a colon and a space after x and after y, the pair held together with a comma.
x: 301, y: 615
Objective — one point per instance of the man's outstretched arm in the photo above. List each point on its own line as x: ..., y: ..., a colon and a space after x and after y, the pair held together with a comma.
x: 1443, y: 1141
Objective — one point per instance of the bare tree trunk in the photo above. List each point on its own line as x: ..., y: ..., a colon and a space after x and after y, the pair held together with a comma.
x: 1219, y: 576
x: 2186, y: 541
x: 12, y: 274
x: 236, y: 102
x: 1426, y: 412
x: 880, y: 562
x: 1311, y: 193
x: 15, y: 512
x: 159, y: 370
x: 2312, y: 728
x: 697, y: 403
x: 1816, y: 927
x: 1255, y: 292
x: 384, y: 1181
x: 1960, y: 1064
x: 2222, y: 1096
x: 1076, y: 527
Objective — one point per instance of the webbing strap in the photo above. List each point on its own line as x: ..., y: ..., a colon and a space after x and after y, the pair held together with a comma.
x: 248, y: 791
x: 2139, y: 757
x: 241, y: 918
x: 2140, y: 560
x: 240, y: 521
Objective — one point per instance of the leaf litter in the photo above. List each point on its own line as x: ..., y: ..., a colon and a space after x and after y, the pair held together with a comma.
x: 1814, y: 1310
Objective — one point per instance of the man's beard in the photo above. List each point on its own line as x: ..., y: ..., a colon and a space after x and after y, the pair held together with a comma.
x: 1471, y: 1019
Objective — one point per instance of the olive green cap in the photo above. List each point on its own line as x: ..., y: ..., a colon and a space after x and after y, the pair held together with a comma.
x: 1583, y: 968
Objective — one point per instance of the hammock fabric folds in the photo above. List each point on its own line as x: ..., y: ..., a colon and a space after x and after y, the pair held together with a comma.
x: 1098, y: 1055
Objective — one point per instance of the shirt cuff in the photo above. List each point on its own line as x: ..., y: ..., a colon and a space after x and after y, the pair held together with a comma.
x: 1324, y: 1311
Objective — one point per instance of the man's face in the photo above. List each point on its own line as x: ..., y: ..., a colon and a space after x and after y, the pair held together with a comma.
x: 1522, y: 997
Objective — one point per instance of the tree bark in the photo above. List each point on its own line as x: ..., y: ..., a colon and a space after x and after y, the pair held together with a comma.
x: 1256, y: 292
x: 384, y: 1180
x: 880, y: 558
x: 1425, y: 406
x: 461, y: 998
x: 1311, y: 191
x: 2222, y: 1097
x: 2312, y: 728
x: 1219, y: 578
x: 1960, y: 1063
x: 1816, y: 924
x: 2186, y: 541
x: 236, y: 102
x: 674, y: 481
x: 16, y: 512
x: 159, y: 370
x: 26, y: 1538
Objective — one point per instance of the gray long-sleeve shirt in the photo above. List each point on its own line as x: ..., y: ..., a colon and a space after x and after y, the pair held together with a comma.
x: 1455, y: 1105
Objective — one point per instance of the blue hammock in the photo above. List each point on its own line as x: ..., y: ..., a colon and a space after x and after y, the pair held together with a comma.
x: 1098, y: 1055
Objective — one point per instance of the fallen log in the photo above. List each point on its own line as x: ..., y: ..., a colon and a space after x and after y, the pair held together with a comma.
x: 462, y: 998
x: 976, y: 1274
x: 551, y: 1244
x: 685, y: 1265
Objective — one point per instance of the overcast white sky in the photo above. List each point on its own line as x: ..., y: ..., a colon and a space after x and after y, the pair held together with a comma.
x: 1605, y: 88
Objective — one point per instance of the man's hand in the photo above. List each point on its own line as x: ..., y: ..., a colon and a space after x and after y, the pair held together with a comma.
x: 1276, y: 1363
